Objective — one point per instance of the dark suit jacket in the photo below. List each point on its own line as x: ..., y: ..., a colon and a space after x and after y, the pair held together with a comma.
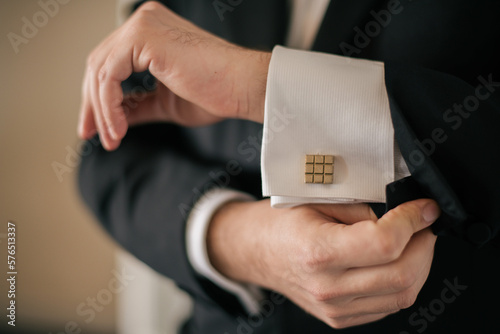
x: 439, y: 57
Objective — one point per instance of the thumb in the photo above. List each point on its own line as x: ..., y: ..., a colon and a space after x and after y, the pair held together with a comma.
x: 411, y: 217
x: 384, y: 240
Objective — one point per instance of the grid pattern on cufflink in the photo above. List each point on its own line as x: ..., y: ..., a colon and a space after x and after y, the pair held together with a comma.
x: 319, y: 169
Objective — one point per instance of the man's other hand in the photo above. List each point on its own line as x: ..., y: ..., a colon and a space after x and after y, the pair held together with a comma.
x: 201, y: 78
x: 338, y: 262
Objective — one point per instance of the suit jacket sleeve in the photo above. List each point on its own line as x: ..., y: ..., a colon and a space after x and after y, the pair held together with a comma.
x: 142, y: 193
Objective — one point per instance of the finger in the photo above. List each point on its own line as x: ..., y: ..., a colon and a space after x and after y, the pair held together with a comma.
x: 345, y: 322
x: 107, y: 142
x: 369, y: 243
x: 394, y: 277
x: 331, y: 317
x: 344, y: 311
x: 339, y: 316
x: 321, y: 312
x: 382, y: 304
x: 92, y: 97
x: 86, y: 124
x: 347, y: 213
x: 117, y: 68
x: 392, y: 302
x: 86, y: 127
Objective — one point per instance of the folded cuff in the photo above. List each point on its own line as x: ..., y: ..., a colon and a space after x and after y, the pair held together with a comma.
x: 323, y: 104
x: 196, y: 236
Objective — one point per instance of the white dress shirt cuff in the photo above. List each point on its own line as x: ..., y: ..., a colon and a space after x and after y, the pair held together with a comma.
x: 196, y: 233
x: 319, y: 103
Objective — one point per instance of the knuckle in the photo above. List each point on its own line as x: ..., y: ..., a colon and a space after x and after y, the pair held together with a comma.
x: 406, y: 299
x: 142, y: 18
x: 386, y: 246
x: 338, y: 323
x: 403, y: 279
x: 320, y: 296
x: 133, y: 31
x: 314, y: 259
x: 408, y: 211
x: 320, y: 293
x: 149, y: 6
x: 316, y: 253
x: 335, y: 312
x: 102, y: 75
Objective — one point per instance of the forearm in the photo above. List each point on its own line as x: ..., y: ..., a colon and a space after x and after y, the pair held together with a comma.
x: 234, y: 240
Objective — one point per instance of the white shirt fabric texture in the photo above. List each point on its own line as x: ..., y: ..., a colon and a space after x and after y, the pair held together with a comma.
x: 315, y: 104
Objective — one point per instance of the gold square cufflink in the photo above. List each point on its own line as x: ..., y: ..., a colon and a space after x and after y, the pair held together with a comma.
x: 319, y: 169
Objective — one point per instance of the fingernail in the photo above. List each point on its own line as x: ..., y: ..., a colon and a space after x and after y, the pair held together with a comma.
x: 431, y: 212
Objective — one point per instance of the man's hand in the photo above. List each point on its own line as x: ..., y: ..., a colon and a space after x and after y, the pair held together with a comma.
x: 202, y: 78
x: 338, y: 262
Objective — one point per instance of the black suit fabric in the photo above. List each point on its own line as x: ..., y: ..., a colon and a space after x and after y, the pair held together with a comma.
x: 436, y: 54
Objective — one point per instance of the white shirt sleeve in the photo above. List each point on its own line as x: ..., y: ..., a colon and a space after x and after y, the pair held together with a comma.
x: 323, y: 104
x: 196, y: 233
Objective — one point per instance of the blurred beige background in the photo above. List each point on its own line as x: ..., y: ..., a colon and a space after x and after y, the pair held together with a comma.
x: 64, y: 259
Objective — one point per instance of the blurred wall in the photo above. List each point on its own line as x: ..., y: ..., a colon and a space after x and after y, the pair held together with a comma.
x: 64, y: 259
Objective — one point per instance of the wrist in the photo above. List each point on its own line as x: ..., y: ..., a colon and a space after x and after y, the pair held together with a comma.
x: 232, y: 242
x: 253, y: 94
